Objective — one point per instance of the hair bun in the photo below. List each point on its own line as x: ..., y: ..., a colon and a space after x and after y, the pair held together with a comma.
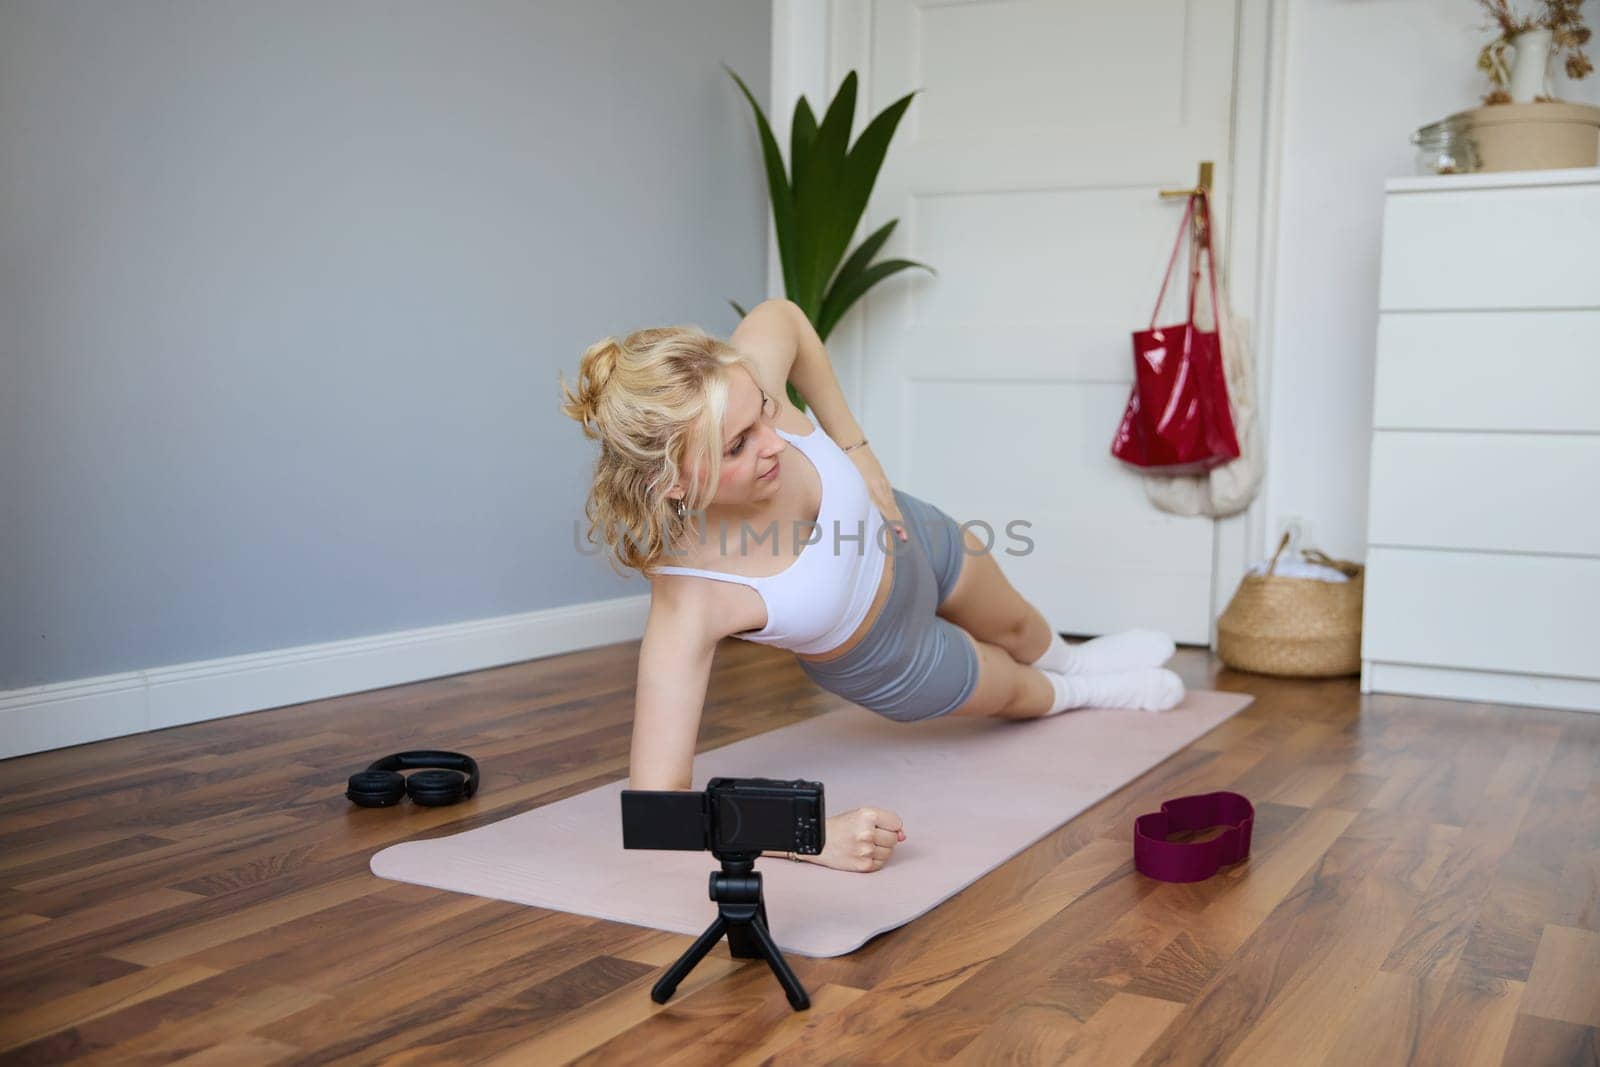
x: 595, y: 368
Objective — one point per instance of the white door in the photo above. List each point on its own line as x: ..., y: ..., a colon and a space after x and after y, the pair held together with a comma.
x: 1027, y: 173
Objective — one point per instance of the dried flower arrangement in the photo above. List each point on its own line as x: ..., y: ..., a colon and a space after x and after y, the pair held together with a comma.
x: 1561, y: 17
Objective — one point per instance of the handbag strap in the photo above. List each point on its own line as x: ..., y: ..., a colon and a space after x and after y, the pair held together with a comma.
x: 1202, y: 198
x: 1183, y: 228
x: 1209, y: 252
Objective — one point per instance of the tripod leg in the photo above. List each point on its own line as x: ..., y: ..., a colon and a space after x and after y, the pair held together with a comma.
x: 780, y: 966
x: 662, y: 991
x: 740, y: 944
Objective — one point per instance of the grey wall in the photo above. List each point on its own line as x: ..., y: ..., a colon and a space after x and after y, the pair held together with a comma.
x: 284, y: 288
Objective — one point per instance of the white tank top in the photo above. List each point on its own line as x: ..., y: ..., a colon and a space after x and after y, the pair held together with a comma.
x: 816, y: 603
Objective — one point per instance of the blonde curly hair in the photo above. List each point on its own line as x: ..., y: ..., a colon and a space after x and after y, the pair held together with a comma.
x: 654, y: 400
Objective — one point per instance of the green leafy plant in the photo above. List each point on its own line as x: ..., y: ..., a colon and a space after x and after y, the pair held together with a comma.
x: 818, y: 203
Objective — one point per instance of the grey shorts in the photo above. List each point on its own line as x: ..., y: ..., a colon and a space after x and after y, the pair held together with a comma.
x: 910, y: 664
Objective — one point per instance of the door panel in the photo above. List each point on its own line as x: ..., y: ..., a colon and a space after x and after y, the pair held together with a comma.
x: 1026, y: 172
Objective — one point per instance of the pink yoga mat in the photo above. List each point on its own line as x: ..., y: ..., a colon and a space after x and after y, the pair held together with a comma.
x: 972, y: 792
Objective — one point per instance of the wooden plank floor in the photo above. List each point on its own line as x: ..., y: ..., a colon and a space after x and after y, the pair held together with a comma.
x: 1424, y: 887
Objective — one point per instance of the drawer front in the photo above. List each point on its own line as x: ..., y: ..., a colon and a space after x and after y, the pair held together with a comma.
x: 1502, y: 492
x: 1489, y: 370
x: 1491, y: 248
x: 1479, y: 611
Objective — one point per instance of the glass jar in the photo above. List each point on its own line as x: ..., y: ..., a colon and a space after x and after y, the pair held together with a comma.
x: 1445, y: 147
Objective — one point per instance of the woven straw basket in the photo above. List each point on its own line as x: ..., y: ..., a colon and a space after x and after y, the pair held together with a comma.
x: 1297, y: 627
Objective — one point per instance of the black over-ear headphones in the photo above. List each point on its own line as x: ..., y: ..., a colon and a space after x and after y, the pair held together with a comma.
x: 382, y: 784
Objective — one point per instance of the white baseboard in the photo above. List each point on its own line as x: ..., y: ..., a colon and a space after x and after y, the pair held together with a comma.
x: 115, y: 705
x: 1494, y: 687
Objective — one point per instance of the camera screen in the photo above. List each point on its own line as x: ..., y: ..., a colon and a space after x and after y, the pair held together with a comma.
x: 754, y: 821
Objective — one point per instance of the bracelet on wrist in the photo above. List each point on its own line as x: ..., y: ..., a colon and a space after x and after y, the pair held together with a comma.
x: 857, y: 445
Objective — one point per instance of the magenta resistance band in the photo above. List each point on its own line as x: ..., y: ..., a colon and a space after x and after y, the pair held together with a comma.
x: 1192, y: 861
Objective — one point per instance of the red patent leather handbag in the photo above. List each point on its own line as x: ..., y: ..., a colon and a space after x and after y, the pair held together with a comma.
x: 1178, y: 420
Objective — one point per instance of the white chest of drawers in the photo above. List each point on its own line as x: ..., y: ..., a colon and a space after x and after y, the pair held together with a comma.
x: 1483, y: 533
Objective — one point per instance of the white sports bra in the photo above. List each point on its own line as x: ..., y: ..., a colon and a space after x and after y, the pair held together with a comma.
x: 816, y: 603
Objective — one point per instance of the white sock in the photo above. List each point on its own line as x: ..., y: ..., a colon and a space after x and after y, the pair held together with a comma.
x: 1148, y: 689
x: 1125, y: 651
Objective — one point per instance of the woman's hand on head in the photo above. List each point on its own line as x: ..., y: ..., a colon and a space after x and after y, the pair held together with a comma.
x: 860, y: 840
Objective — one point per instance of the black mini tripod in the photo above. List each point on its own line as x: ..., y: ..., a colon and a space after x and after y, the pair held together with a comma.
x: 742, y: 915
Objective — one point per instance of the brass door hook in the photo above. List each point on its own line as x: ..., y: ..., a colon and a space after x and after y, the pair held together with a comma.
x: 1203, y: 185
